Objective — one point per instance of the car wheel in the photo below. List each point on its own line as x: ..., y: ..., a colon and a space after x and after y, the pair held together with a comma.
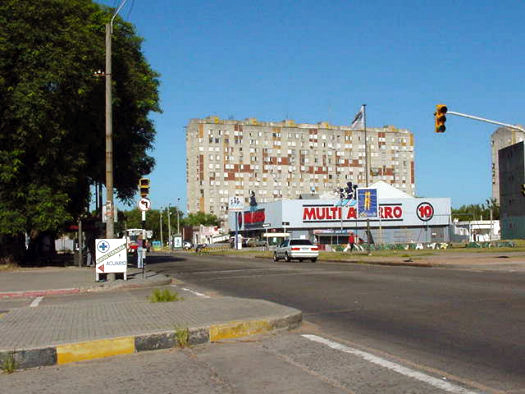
x: 286, y: 257
x: 275, y: 258
x: 300, y: 260
x: 314, y: 260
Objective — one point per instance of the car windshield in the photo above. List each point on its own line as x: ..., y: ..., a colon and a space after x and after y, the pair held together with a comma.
x: 300, y: 242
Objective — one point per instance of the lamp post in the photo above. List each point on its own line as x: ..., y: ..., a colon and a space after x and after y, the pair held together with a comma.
x: 110, y: 220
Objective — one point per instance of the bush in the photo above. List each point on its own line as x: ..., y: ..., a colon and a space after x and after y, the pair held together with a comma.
x: 165, y: 295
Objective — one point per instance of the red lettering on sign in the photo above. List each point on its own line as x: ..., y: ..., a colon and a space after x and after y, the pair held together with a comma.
x: 387, y: 213
x: 391, y: 212
x: 398, y: 212
x: 309, y: 214
x: 320, y: 213
x: 352, y: 214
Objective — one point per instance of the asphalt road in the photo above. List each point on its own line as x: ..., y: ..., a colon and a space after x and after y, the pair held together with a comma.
x: 464, y: 324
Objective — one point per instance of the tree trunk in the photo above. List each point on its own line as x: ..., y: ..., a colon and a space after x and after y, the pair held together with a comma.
x: 12, y: 248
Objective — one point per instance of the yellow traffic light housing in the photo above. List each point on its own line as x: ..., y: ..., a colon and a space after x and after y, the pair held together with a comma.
x: 440, y: 118
x: 144, y: 187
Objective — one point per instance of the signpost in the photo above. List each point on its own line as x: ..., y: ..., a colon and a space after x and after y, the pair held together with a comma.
x: 144, y: 204
x: 111, y: 257
x: 177, y: 242
x: 236, y: 205
x: 367, y: 208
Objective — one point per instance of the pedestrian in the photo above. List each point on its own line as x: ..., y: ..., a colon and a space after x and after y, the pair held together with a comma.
x: 351, y: 242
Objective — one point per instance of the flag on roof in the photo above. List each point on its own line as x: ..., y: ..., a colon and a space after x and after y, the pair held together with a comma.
x: 359, y: 119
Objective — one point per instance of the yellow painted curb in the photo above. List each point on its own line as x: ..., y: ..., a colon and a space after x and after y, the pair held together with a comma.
x: 94, y: 349
x: 238, y: 329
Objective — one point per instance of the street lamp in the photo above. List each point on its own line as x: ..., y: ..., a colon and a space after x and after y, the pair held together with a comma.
x: 110, y: 220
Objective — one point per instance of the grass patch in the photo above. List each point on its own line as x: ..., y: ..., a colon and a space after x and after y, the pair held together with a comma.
x: 164, y: 295
x: 9, y: 364
x: 182, y: 334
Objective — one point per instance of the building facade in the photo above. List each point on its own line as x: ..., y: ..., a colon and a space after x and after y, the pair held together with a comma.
x: 500, y: 139
x: 400, y: 219
x: 281, y: 160
x: 512, y: 191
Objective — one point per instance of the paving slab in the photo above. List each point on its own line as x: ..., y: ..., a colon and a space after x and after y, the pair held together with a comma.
x: 73, y: 332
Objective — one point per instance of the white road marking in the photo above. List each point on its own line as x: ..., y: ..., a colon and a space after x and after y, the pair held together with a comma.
x: 452, y: 388
x: 36, y: 301
x: 193, y: 292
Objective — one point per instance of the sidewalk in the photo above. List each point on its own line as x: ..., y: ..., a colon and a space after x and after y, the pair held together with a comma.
x: 34, y: 282
x: 59, y: 334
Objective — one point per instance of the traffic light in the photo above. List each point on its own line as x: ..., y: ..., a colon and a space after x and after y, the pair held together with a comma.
x: 144, y: 187
x: 440, y: 118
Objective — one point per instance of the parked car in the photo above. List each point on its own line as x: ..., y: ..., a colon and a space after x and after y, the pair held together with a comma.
x: 299, y: 249
x: 187, y: 245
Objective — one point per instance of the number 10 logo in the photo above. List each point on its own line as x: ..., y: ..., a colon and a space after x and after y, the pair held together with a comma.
x: 425, y: 211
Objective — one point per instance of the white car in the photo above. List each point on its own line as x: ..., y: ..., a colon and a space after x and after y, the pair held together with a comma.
x: 299, y: 249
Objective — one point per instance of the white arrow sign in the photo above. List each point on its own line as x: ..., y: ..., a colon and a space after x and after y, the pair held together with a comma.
x: 144, y: 204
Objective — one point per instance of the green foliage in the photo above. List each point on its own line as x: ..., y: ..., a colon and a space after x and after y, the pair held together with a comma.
x: 164, y: 295
x: 206, y: 219
x: 133, y: 219
x: 477, y: 211
x: 9, y: 364
x: 182, y: 335
x: 52, y: 118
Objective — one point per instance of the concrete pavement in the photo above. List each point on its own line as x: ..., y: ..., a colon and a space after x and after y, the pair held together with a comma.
x: 58, y: 334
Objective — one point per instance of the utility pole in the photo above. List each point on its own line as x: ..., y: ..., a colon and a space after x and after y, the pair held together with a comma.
x: 110, y: 223
x: 110, y: 220
x: 178, y: 214
x: 170, y: 244
x: 160, y: 223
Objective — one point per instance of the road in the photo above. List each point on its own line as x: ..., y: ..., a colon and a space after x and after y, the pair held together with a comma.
x: 367, y: 329
x: 463, y: 323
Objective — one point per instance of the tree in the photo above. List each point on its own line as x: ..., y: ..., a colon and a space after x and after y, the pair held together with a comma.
x: 198, y: 218
x: 52, y: 113
x: 477, y: 211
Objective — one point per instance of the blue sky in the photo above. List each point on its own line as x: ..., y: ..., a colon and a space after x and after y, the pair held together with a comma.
x: 319, y: 60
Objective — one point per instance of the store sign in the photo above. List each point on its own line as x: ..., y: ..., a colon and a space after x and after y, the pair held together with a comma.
x: 254, y: 219
x: 391, y: 211
x: 425, y: 211
x: 327, y: 213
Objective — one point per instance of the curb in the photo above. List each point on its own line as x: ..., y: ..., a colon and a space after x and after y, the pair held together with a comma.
x: 76, y: 290
x: 100, y: 348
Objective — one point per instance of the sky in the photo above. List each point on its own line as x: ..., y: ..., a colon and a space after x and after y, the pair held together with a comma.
x: 319, y: 60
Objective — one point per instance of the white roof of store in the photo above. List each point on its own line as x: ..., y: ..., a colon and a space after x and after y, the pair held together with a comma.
x: 385, y: 190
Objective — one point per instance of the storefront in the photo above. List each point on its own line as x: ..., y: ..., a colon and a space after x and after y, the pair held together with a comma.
x: 400, y: 219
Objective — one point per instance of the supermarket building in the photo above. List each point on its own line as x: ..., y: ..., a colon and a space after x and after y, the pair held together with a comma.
x: 401, y: 219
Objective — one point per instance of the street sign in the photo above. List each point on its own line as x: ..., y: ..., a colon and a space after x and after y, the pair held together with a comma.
x: 235, y: 204
x: 367, y: 203
x: 106, y: 214
x: 111, y: 257
x: 144, y: 204
x: 177, y: 242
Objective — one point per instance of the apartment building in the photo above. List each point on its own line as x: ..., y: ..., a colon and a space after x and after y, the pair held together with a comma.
x: 281, y: 160
x: 500, y: 139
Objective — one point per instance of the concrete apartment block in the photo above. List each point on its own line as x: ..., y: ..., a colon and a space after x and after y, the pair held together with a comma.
x: 500, y: 139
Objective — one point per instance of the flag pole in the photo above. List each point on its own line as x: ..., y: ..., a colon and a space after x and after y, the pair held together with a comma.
x: 368, y: 234
x: 366, y: 146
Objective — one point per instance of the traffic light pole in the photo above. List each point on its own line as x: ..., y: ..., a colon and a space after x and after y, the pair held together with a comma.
x: 485, y: 120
